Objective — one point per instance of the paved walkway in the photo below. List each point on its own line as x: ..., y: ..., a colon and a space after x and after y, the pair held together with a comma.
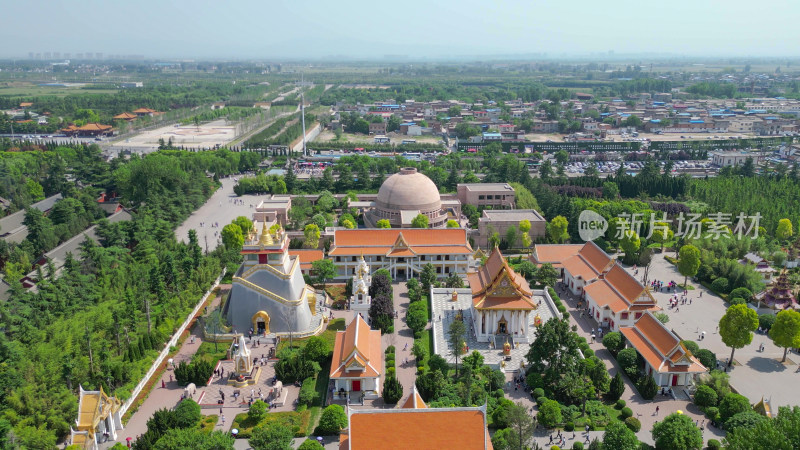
x: 220, y: 208
x: 643, y: 409
x: 755, y: 374
x: 403, y: 336
x: 170, y: 395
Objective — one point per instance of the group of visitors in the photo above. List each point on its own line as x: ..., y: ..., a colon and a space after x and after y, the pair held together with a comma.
x: 677, y: 300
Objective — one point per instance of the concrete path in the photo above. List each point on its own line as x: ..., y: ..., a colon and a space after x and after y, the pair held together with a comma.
x: 403, y: 340
x: 169, y: 396
x: 220, y: 208
x: 644, y: 410
x: 755, y: 374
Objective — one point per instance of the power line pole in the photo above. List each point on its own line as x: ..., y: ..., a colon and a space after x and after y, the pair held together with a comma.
x: 303, y: 112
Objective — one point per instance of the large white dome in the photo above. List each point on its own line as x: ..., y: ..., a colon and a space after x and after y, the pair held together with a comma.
x: 408, y: 190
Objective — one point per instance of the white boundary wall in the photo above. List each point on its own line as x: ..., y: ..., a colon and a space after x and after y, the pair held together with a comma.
x: 172, y: 342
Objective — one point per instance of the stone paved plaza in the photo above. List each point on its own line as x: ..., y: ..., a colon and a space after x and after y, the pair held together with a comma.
x: 445, y: 311
x: 755, y: 374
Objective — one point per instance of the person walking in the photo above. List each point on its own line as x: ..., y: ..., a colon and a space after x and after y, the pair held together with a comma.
x: 657, y: 410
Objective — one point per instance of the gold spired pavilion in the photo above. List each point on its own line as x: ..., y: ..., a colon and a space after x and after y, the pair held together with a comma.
x: 98, y: 418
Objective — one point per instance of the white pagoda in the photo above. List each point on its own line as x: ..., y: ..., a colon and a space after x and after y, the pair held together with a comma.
x: 360, y: 300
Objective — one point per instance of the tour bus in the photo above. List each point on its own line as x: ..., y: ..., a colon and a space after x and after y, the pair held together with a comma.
x: 409, y: 141
x: 412, y: 155
x: 381, y: 140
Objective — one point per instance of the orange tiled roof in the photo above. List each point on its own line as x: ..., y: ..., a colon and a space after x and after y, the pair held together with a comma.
x: 595, y: 256
x: 407, y: 252
x: 459, y: 250
x: 506, y: 303
x: 125, y: 116
x: 604, y: 295
x: 25, y: 104
x: 357, y: 343
x: 625, y: 283
x: 554, y: 253
x: 387, y: 237
x: 659, y: 347
x: 144, y: 111
x: 382, y: 241
x: 414, y: 401
x: 496, y: 284
x: 579, y: 268
x: 94, y: 127
x: 618, y: 290
x: 347, y: 251
x: 418, y: 429
x: 307, y: 256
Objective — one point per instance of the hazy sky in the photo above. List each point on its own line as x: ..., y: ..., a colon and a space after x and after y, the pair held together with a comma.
x: 416, y: 28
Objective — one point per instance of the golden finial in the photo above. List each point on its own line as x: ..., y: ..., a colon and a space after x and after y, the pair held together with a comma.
x: 266, y: 239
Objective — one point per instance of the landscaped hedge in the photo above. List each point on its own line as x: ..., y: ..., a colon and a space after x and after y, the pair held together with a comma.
x: 633, y: 424
x: 308, y: 392
x: 296, y: 421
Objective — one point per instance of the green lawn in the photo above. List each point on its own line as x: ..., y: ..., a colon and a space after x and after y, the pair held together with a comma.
x: 208, y: 423
x: 207, y: 352
x: 322, y: 393
x: 329, y: 335
x: 427, y: 335
x: 613, y: 414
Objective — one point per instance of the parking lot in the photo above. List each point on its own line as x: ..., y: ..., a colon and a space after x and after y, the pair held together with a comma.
x: 632, y: 167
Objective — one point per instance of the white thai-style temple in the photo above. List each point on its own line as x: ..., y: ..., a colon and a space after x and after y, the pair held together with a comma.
x: 98, y: 419
x: 360, y: 300
x: 502, y: 301
x: 268, y: 294
x: 357, y: 362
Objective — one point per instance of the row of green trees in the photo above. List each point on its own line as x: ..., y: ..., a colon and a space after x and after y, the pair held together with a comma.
x: 88, y: 326
x: 381, y: 308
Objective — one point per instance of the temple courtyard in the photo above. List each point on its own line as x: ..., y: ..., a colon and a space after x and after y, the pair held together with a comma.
x: 445, y: 311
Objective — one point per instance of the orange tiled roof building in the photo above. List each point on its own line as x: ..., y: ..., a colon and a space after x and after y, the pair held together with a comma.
x: 404, y: 252
x: 90, y: 129
x: 415, y: 426
x: 614, y: 297
x: 554, y: 254
x: 502, y: 300
x: 125, y: 116
x: 357, y: 359
x: 665, y: 357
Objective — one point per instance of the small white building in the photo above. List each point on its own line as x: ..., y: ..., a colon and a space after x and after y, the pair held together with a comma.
x: 665, y: 357
x: 357, y: 360
x: 724, y: 159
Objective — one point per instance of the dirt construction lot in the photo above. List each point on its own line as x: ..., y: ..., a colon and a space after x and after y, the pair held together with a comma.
x: 206, y: 135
